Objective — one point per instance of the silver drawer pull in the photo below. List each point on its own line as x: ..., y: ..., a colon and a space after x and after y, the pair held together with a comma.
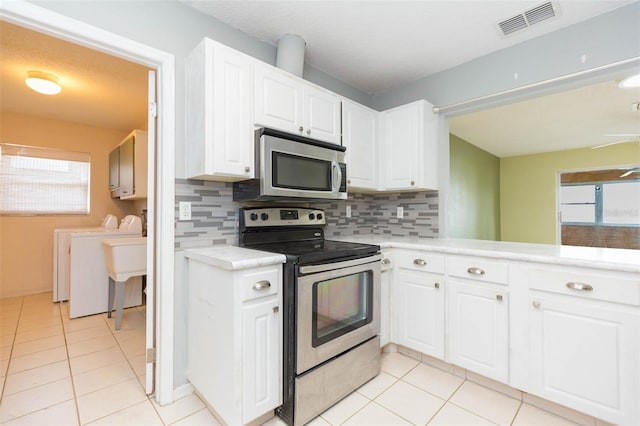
x: 275, y: 309
x: 436, y: 285
x: 419, y: 262
x: 386, y: 261
x: 579, y: 286
x: 536, y: 304
x: 475, y: 271
x: 499, y: 297
x: 261, y: 285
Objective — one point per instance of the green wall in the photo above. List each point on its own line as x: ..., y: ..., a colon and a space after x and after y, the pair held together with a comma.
x: 528, y: 186
x: 474, y: 203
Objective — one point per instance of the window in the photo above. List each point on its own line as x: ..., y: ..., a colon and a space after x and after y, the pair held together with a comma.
x: 609, y: 203
x: 35, y: 181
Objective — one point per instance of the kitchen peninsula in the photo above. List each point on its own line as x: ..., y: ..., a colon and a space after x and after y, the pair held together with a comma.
x: 558, y: 322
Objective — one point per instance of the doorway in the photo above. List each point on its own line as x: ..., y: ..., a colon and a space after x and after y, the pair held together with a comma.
x: 161, y: 168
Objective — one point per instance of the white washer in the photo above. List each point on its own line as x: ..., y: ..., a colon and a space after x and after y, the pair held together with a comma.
x: 88, y: 276
x: 61, y: 240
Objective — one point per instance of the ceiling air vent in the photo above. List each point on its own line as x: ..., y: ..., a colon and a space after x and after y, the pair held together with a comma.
x: 528, y: 18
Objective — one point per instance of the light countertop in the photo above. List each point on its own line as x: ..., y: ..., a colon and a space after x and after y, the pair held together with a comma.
x: 233, y: 257
x: 590, y: 257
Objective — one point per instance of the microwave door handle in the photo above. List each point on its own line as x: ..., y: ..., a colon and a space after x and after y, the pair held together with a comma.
x: 336, y: 176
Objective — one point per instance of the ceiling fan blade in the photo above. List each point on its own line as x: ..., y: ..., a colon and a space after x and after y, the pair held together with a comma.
x: 627, y: 173
x: 635, y: 138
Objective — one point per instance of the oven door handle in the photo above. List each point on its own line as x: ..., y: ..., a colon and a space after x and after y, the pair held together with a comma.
x: 311, y: 269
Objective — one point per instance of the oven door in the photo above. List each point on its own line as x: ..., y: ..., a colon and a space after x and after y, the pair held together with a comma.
x: 338, y: 308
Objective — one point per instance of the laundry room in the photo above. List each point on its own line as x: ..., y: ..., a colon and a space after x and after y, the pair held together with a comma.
x: 99, y: 112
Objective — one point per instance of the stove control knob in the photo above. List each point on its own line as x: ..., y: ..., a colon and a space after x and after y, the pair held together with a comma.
x: 253, y: 216
x: 319, y: 216
x: 312, y: 216
x: 264, y: 216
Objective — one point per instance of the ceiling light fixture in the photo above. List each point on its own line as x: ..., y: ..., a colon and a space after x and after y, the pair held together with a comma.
x: 43, y: 82
x: 630, y: 82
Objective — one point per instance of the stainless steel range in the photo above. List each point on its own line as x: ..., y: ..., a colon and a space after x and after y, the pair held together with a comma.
x: 331, y: 304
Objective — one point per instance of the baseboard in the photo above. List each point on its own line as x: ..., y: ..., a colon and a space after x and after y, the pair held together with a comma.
x: 182, y: 391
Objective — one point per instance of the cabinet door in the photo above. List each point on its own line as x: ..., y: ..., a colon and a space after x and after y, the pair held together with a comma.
x: 114, y: 172
x: 321, y: 115
x: 359, y: 135
x: 278, y: 100
x: 262, y: 362
x: 401, y: 142
x: 232, y: 141
x: 421, y: 312
x: 127, y: 167
x: 584, y: 356
x: 385, y: 312
x: 478, y: 328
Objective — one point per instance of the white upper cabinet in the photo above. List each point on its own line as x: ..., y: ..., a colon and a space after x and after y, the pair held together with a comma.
x: 409, y: 147
x: 359, y: 136
x: 219, y: 128
x: 290, y: 104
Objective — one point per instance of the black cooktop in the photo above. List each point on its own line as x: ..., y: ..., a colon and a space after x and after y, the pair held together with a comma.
x: 314, y: 251
x: 297, y: 233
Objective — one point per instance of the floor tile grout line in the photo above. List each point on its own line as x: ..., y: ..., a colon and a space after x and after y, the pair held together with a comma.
x: 13, y: 343
x: 73, y: 383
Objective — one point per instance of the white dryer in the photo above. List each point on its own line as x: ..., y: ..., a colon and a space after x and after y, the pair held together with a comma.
x: 88, y: 276
x: 61, y: 240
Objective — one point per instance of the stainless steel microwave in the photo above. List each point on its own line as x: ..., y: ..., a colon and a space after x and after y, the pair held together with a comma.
x: 291, y: 167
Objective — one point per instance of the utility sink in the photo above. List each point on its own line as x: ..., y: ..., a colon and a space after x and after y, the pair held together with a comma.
x: 125, y: 257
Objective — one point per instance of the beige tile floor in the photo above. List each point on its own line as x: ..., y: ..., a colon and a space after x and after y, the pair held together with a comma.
x: 57, y: 371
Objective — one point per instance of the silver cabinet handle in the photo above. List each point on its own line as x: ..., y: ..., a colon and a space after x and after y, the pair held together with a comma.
x: 308, y: 131
x: 413, y: 183
x: 579, y: 286
x: 300, y: 128
x: 419, y: 262
x: 275, y: 309
x: 499, y: 297
x: 475, y: 271
x: 262, y: 285
x: 536, y: 304
x: 247, y: 169
x: 436, y: 285
x: 386, y: 261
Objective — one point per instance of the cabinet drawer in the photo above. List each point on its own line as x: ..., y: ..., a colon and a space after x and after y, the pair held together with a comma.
x: 261, y: 282
x: 420, y: 261
x: 585, y: 283
x: 478, y: 269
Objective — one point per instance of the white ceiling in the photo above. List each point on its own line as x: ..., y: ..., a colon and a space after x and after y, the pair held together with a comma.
x: 577, y: 118
x: 371, y: 45
x: 378, y: 45
x: 97, y: 89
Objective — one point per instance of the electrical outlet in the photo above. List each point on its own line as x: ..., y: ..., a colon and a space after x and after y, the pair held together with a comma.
x: 184, y: 210
x: 400, y: 212
x: 348, y: 211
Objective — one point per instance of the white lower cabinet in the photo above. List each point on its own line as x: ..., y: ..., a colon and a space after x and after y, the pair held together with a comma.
x: 235, y: 339
x: 584, y: 342
x: 421, y: 297
x: 260, y: 353
x: 478, y: 316
x: 387, y: 311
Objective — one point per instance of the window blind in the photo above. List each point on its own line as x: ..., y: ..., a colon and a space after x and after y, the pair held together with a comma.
x: 41, y: 181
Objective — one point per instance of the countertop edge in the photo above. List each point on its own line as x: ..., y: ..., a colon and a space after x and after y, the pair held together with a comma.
x: 610, y: 265
x: 234, y: 258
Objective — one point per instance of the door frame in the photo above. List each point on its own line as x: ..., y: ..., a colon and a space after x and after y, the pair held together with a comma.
x: 60, y: 26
